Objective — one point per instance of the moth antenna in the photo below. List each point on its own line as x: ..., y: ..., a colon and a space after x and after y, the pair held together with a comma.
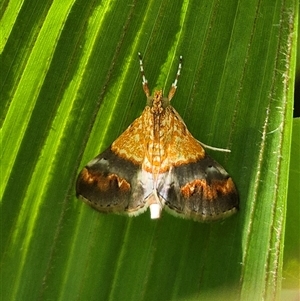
x: 144, y: 82
x: 174, y: 85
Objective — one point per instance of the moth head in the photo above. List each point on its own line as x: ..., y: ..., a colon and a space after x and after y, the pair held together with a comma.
x: 157, y: 102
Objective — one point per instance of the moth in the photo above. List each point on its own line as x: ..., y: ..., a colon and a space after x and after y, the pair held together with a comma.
x: 157, y: 163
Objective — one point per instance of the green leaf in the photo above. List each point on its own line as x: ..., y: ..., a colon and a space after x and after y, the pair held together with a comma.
x: 291, y: 267
x: 70, y: 84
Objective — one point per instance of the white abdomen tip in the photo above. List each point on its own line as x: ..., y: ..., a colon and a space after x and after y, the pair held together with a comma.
x: 155, y: 210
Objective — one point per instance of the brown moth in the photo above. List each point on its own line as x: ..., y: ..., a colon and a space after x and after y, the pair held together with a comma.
x: 157, y: 163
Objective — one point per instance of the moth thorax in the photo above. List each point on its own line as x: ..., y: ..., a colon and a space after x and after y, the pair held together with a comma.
x: 156, y: 153
x: 155, y: 165
x: 158, y: 103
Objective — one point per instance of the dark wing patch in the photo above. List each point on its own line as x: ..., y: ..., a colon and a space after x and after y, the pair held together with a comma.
x: 202, y: 191
x: 110, y: 183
